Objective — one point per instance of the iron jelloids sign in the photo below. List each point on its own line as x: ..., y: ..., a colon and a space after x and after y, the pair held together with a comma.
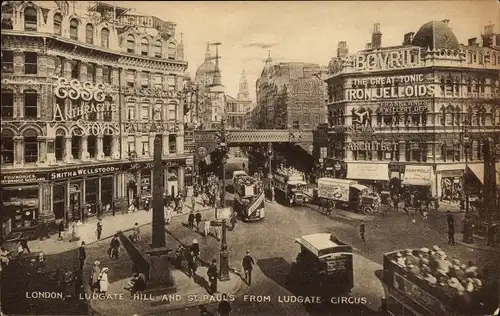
x: 86, y: 99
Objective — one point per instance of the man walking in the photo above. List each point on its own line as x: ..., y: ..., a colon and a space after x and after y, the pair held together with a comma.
x: 193, y: 202
x: 247, y: 267
x: 82, y: 255
x: 233, y: 221
x: 192, y: 265
x: 362, y: 231
x: 224, y: 307
x: 99, y: 229
x: 451, y: 233
x: 114, y: 247
x: 61, y: 229
x: 198, y: 219
x: 191, y: 220
x: 212, y: 276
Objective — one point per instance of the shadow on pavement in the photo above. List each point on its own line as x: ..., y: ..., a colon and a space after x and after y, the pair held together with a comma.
x: 202, y: 282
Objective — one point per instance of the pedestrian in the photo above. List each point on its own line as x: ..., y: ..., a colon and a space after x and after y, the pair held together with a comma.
x: 362, y: 231
x: 247, y: 267
x: 233, y: 221
x: 449, y: 218
x: 82, y: 255
x: 195, y: 247
x: 99, y: 229
x: 212, y: 274
x: 24, y: 245
x: 224, y: 307
x: 206, y: 227
x: 198, y: 220
x: 192, y: 265
x: 114, y: 248
x: 191, y: 220
x: 193, y: 202
x: 74, y: 231
x: 103, y: 280
x: 67, y: 282
x: 451, y: 233
x: 218, y: 231
x: 94, y: 278
x: 137, y: 233
x: 491, y: 235
x: 61, y: 229
x: 395, y: 202
x: 329, y: 207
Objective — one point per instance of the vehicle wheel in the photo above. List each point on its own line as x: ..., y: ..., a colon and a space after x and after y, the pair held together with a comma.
x: 366, y: 210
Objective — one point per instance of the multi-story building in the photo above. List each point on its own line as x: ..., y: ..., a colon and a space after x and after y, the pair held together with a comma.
x: 83, y: 96
x: 249, y: 117
x: 415, y: 112
x: 236, y: 108
x: 290, y: 95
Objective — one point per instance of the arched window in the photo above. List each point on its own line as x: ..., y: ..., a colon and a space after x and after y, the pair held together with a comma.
x: 7, y: 13
x: 73, y: 29
x: 30, y: 146
x: 57, y: 24
x: 130, y: 44
x: 144, y: 46
x: 105, y: 38
x: 30, y: 104
x: 30, y: 19
x: 158, y: 49
x: 89, y: 34
x: 7, y: 141
x: 171, y: 50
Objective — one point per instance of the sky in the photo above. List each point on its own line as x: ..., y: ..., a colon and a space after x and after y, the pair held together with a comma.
x: 305, y: 31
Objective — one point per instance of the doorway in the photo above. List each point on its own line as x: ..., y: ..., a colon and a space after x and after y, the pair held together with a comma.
x: 75, y: 201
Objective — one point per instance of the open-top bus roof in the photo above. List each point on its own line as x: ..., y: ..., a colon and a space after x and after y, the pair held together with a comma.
x: 323, y: 244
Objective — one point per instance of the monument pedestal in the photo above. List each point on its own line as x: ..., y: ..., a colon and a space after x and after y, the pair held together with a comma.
x: 160, y: 279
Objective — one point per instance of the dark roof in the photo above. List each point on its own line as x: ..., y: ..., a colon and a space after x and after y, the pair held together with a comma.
x: 435, y: 35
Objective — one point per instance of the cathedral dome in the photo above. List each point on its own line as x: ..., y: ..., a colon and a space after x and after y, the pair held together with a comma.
x: 436, y: 35
x: 205, y: 69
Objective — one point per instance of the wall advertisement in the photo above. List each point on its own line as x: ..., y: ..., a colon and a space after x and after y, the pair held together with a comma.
x: 417, y: 175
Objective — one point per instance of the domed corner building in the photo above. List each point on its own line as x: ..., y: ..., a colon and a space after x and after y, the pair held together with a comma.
x: 436, y: 35
x: 424, y: 97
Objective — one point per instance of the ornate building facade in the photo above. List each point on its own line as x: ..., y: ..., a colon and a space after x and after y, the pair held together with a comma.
x: 415, y: 112
x: 83, y: 96
x: 236, y: 108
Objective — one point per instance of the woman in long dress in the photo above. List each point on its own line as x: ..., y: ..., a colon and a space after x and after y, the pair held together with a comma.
x: 94, y: 279
x: 103, y: 281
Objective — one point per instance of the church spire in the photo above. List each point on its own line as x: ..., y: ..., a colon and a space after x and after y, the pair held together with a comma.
x: 243, y: 87
x: 208, y: 55
x: 269, y: 59
x: 180, y: 49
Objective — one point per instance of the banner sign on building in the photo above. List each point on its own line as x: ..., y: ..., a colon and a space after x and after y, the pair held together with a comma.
x: 365, y: 171
x: 417, y: 175
x: 147, y: 165
x: 22, y: 178
x: 403, y: 106
x: 388, y: 59
x: 375, y: 146
x: 84, y: 171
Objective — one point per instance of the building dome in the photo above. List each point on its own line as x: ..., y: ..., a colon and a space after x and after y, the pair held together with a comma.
x: 435, y: 35
x: 205, y: 69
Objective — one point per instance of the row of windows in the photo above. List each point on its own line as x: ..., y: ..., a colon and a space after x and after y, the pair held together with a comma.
x: 145, y: 80
x: 144, y: 149
x: 30, y: 105
x: 31, y: 21
x: 148, y: 112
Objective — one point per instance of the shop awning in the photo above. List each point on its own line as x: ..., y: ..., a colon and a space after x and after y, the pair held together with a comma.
x: 418, y: 175
x: 365, y: 171
x: 450, y: 167
x: 478, y: 170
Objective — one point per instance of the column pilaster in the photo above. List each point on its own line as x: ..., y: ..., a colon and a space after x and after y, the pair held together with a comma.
x: 151, y: 144
x: 84, y: 155
x: 51, y: 150
x: 115, y: 151
x: 138, y: 145
x: 181, y: 173
x: 100, y: 151
x: 83, y: 72
x: 98, y: 74
x: 402, y: 151
x: 165, y: 144
x: 42, y: 154
x: 18, y: 151
x: 180, y: 142
x: 68, y: 156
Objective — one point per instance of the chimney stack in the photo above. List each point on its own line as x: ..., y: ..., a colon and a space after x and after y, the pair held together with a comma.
x: 446, y: 21
x: 368, y: 46
x: 408, y: 38
x: 472, y: 41
x: 342, y: 50
x: 376, y: 36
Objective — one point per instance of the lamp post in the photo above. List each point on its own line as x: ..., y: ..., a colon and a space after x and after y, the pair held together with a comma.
x: 467, y: 225
x: 270, y: 176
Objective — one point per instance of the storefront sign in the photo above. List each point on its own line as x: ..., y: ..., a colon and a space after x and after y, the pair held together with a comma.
x: 19, y: 178
x: 83, y: 171
x: 396, y: 167
x: 417, y: 175
x: 360, y: 171
x: 407, y: 86
x: 405, y: 106
x: 358, y: 128
x: 387, y: 59
x: 375, y: 146
x: 148, y: 165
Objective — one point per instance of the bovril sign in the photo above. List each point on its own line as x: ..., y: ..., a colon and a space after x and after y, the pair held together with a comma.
x: 78, y: 172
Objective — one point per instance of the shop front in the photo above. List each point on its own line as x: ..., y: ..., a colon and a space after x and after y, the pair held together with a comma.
x: 450, y: 182
x: 418, y: 178
x: 396, y: 172
x: 334, y: 168
x: 375, y: 175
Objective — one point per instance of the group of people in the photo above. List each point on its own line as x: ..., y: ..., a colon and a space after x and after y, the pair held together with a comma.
x: 99, y: 281
x: 433, y: 266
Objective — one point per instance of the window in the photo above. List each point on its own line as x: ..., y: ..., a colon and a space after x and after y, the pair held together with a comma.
x: 172, y: 111
x: 30, y: 146
x: 145, y: 148
x: 107, y: 145
x: 30, y: 104
x: 57, y: 24
x: 171, y: 51
x: 144, y: 46
x: 89, y: 34
x: 171, y: 83
x: 130, y: 78
x: 75, y: 146
x: 7, y: 13
x: 158, y: 49
x: 59, y: 148
x: 7, y: 141
x: 59, y: 200
x: 130, y: 147
x: 92, y: 145
x: 157, y: 112
x: 145, y: 79
x: 7, y: 109
x: 59, y: 66
x: 30, y: 19
x: 91, y: 72
x: 106, y: 74
x: 30, y: 63
x: 145, y: 112
x: 172, y: 143
x: 7, y: 61
x: 75, y: 69
x: 130, y: 44
x: 107, y: 114
x: 131, y: 112
x: 105, y: 38
x: 73, y: 29
x: 158, y: 81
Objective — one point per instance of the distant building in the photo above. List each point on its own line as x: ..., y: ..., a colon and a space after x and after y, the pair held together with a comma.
x: 290, y: 95
x: 237, y: 108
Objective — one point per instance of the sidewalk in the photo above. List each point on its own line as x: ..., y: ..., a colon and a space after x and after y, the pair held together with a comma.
x: 110, y: 225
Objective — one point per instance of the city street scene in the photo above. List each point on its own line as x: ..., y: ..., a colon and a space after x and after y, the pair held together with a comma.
x: 250, y: 158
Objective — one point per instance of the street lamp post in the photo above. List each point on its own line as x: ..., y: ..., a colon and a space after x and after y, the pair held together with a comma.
x: 270, y: 176
x: 467, y: 225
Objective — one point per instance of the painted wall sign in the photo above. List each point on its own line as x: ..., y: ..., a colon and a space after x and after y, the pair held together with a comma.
x: 404, y: 106
x: 83, y: 171
x: 417, y: 174
x: 388, y: 59
x: 20, y: 178
x: 384, y: 146
x: 358, y: 128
